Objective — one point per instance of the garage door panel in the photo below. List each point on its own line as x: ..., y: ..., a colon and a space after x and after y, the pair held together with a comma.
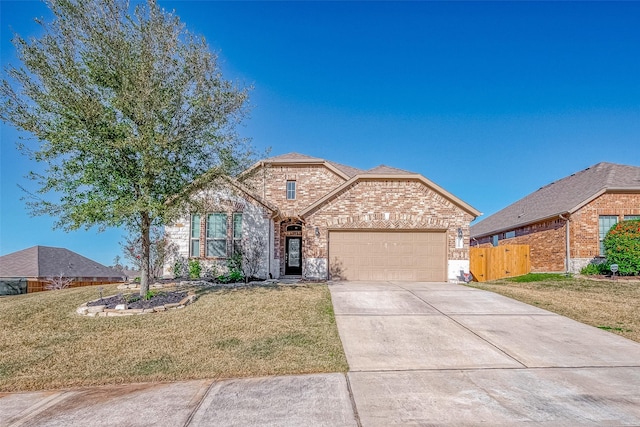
x: 388, y: 255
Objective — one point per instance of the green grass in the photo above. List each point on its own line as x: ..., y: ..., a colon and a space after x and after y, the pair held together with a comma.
x: 608, y: 305
x: 278, y: 330
x: 538, y: 277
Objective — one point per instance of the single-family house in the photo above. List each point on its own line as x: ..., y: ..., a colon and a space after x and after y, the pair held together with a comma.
x: 32, y: 269
x: 565, y: 222
x: 319, y: 219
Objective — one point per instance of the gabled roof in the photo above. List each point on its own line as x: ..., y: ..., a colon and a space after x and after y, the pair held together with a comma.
x: 293, y: 157
x: 46, y: 261
x: 565, y: 196
x: 351, y: 175
x: 344, y: 171
x: 385, y: 172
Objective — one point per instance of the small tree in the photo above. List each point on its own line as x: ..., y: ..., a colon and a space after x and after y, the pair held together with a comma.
x: 253, y: 251
x: 128, y: 109
x: 622, y: 247
x: 161, y: 249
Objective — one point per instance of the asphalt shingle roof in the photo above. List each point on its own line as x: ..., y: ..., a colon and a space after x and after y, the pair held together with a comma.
x: 564, y: 196
x: 47, y: 261
x: 387, y: 170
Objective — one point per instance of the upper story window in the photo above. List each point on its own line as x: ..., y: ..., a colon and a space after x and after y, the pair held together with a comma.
x: 459, y: 239
x: 605, y: 222
x: 291, y: 190
x: 194, y: 241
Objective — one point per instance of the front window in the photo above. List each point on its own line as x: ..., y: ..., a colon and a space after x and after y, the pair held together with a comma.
x: 605, y: 222
x: 237, y: 232
x: 291, y: 190
x: 217, y: 235
x: 195, y: 236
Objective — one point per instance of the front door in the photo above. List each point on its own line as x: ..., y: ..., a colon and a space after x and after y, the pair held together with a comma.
x: 293, y: 256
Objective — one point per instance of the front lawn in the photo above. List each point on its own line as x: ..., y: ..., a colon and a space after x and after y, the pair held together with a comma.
x: 609, y: 305
x: 276, y: 330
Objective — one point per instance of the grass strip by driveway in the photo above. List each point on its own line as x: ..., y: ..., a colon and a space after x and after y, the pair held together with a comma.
x: 608, y: 305
x: 241, y: 332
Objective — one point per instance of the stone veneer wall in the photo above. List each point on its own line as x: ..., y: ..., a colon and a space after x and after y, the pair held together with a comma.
x: 255, y: 220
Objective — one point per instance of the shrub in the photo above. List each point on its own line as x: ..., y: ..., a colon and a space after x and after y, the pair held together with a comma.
x: 194, y: 269
x: 595, y: 269
x: 236, y: 276
x: 622, y: 247
x: 180, y: 266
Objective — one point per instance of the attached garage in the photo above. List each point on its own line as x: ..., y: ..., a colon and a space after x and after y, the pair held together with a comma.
x: 416, y: 255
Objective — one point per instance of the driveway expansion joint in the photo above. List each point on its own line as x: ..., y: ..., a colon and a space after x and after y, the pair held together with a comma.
x: 202, y: 397
x: 499, y: 349
x: 354, y: 407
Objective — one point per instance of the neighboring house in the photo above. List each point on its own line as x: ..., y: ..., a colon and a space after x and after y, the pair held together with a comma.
x: 323, y: 220
x: 33, y: 268
x: 565, y: 222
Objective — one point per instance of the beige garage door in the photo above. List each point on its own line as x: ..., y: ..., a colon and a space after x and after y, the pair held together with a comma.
x: 388, y: 255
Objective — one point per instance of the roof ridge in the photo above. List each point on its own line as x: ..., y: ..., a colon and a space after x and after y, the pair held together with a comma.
x: 565, y: 195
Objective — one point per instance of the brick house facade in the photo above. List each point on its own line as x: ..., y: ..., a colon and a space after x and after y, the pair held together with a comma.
x: 303, y: 206
x: 574, y: 212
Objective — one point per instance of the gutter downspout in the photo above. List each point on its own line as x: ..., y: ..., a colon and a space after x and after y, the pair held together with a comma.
x: 567, y: 243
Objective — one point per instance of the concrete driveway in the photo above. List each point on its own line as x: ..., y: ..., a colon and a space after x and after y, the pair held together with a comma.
x: 445, y: 354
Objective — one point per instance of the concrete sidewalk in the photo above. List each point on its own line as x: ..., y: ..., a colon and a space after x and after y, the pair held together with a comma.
x: 304, y: 400
x: 445, y: 354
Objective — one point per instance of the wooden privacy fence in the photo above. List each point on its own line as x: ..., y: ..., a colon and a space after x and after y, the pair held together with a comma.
x: 499, y: 261
x: 41, y: 285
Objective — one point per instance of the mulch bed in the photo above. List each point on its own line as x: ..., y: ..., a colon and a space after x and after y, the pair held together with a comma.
x: 134, y: 301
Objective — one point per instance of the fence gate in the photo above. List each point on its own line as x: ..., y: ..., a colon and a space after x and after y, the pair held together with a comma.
x: 499, y: 262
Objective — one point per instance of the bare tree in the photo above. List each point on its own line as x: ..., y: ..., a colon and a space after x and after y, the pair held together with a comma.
x: 58, y: 282
x: 254, y: 248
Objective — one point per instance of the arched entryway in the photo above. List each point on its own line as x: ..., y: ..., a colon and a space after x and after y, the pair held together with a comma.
x: 292, y: 242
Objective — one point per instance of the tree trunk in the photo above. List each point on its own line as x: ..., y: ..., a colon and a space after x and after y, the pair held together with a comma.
x: 146, y: 250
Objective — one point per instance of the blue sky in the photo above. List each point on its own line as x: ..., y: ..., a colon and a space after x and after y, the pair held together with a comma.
x: 490, y: 100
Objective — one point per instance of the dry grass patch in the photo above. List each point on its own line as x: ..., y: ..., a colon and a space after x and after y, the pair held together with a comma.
x: 612, y: 306
x: 225, y: 333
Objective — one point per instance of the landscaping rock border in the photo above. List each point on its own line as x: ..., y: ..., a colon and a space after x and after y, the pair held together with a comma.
x: 122, y: 310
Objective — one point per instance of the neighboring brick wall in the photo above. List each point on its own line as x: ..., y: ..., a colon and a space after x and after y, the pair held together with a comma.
x: 547, y: 244
x: 584, y: 223
x: 547, y: 240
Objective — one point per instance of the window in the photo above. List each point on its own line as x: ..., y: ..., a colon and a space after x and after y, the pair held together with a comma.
x: 510, y: 234
x: 631, y: 217
x: 459, y: 239
x: 194, y: 246
x: 291, y: 190
x: 494, y: 240
x: 217, y: 235
x: 237, y: 232
x: 605, y: 222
